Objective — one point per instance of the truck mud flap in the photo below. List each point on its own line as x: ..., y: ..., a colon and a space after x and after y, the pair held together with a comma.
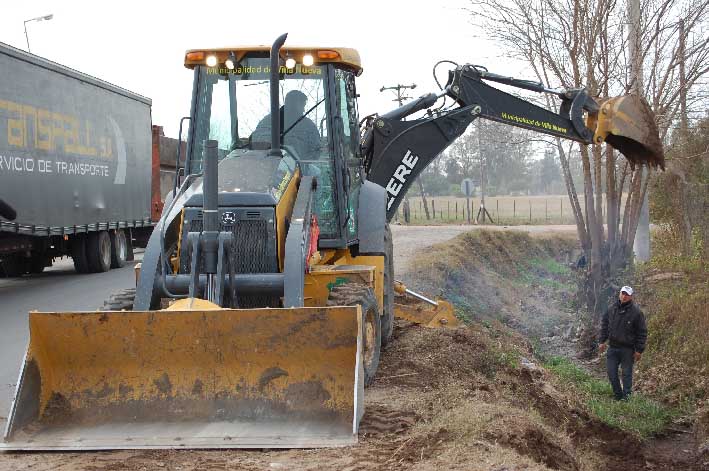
x: 249, y: 378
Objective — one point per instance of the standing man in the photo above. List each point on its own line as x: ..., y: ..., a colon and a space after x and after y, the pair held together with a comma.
x: 623, y: 328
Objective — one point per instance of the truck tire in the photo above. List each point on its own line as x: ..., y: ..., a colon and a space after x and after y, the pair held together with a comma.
x: 130, y: 256
x: 98, y: 251
x: 11, y: 267
x: 119, y: 248
x: 120, y: 301
x: 37, y: 263
x: 352, y: 294
x: 388, y: 315
x: 78, y: 253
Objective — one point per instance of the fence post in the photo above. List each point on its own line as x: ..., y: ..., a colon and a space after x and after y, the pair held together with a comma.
x: 433, y: 207
x: 449, y: 210
x: 497, y: 205
x: 546, y: 210
x: 530, y: 211
x: 562, y: 210
x: 514, y: 210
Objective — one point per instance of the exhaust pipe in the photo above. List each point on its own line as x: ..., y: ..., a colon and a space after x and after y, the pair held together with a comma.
x: 275, y: 102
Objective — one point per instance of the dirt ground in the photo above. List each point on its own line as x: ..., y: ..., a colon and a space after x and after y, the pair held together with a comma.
x: 470, y: 398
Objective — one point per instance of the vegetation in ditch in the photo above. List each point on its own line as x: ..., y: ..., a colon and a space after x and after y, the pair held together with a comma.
x: 639, y: 415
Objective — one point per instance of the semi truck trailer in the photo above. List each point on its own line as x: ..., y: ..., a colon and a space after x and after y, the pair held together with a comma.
x: 76, y: 166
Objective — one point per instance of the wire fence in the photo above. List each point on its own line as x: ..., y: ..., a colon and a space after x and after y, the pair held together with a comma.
x: 504, y: 210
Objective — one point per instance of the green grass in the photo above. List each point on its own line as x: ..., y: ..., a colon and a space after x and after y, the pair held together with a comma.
x: 546, y: 272
x: 551, y: 266
x: 639, y: 415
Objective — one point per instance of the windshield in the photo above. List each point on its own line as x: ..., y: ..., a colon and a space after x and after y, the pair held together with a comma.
x: 233, y: 107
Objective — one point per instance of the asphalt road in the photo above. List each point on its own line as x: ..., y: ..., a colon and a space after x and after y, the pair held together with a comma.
x: 58, y: 289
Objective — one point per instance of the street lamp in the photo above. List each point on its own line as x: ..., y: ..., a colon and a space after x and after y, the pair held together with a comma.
x: 39, y: 18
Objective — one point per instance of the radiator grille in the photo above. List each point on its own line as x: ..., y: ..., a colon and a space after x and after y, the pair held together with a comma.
x: 254, y: 250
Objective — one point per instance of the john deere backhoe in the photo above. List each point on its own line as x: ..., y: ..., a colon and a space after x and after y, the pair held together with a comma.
x: 266, y: 290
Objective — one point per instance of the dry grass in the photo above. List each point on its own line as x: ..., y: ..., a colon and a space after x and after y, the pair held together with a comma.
x: 674, y: 294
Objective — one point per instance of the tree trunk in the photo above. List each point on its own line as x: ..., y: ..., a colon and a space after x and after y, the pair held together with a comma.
x: 423, y: 198
x: 573, y: 199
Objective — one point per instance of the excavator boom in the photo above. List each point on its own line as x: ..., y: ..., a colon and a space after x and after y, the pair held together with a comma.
x: 397, y: 150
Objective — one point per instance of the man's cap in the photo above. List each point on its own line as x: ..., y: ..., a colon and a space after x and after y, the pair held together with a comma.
x: 627, y: 290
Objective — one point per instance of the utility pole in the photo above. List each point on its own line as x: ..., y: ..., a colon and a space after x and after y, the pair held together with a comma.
x: 682, y: 83
x: 400, y: 97
x: 482, y: 211
x: 641, y: 245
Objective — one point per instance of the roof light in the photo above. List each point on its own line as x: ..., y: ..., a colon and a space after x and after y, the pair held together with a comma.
x: 230, y: 61
x: 325, y: 54
x: 290, y: 62
x: 308, y: 60
x: 211, y: 60
x: 194, y: 56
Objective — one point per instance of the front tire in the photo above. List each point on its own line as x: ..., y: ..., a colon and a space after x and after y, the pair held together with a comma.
x: 352, y: 294
x: 120, y: 301
x: 388, y: 317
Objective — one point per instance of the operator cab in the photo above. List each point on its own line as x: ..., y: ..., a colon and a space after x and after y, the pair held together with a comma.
x: 318, y: 121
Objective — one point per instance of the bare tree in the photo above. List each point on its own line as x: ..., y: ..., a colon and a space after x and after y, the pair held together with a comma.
x: 578, y: 43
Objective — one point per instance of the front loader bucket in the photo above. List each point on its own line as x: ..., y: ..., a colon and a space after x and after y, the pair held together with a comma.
x: 250, y: 378
x: 628, y: 124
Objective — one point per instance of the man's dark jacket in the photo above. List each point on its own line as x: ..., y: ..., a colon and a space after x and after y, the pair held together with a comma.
x: 623, y: 325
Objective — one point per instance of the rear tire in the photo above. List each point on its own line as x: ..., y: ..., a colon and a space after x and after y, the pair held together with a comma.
x: 98, y: 251
x: 78, y: 253
x: 37, y: 264
x: 120, y: 301
x: 119, y: 248
x: 352, y: 294
x: 388, y: 317
x: 11, y: 267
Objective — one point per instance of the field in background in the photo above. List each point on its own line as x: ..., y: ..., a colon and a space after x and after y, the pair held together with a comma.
x: 506, y: 210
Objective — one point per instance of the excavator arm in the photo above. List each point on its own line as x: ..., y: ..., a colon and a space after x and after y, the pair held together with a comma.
x: 396, y: 150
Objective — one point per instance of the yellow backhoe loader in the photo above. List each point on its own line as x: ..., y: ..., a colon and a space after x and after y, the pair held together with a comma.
x: 266, y: 290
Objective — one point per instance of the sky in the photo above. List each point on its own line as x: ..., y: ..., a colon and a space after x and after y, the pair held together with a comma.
x: 140, y: 46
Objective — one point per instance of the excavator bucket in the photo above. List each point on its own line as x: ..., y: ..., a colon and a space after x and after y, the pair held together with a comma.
x: 206, y: 378
x: 627, y: 123
x: 440, y: 315
x: 417, y: 308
